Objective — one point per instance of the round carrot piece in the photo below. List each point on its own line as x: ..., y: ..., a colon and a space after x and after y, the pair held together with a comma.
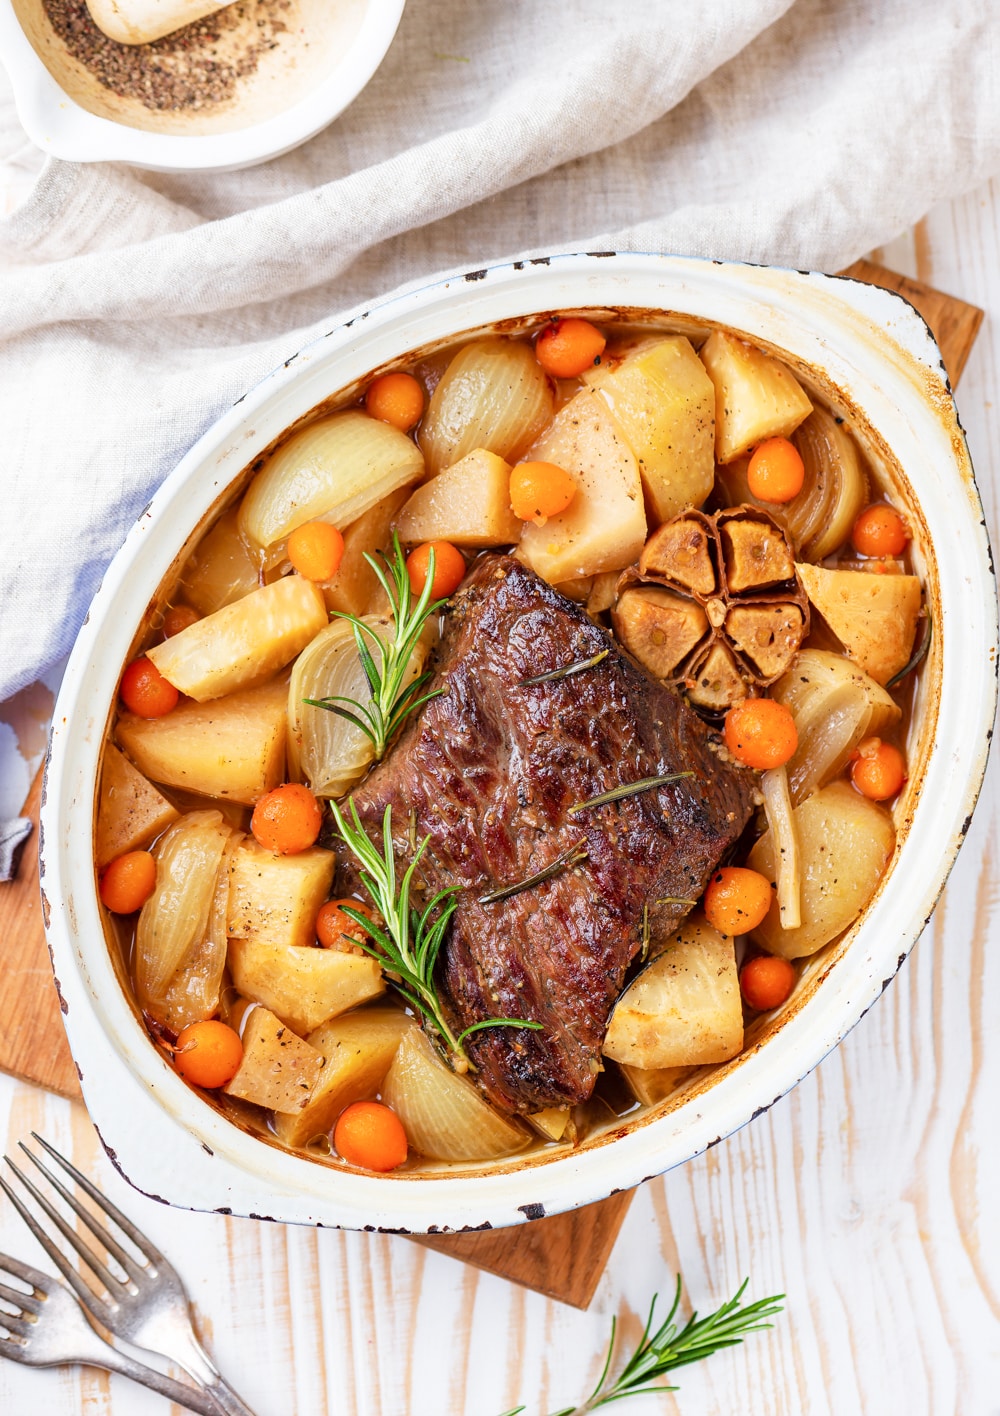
x: 775, y: 472
x: 737, y: 899
x: 316, y: 549
x: 370, y: 1136
x: 145, y: 691
x: 566, y: 347
x: 880, y: 531
x: 287, y: 820
x: 760, y: 732
x: 878, y: 769
x: 179, y: 618
x: 766, y: 982
x: 127, y: 882
x: 449, y: 568
x: 336, y: 930
x: 397, y: 399
x: 539, y: 490
x: 209, y: 1053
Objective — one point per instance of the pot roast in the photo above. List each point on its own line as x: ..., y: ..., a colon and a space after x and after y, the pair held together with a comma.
x: 495, y: 770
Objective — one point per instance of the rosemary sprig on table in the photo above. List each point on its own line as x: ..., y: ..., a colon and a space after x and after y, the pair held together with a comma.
x: 392, y: 699
x: 410, y: 941
x: 668, y: 1347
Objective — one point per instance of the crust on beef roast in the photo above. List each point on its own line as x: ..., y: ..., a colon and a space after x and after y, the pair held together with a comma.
x: 490, y: 770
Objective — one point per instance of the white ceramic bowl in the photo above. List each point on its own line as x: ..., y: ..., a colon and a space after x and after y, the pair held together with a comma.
x: 869, y: 352
x: 319, y: 66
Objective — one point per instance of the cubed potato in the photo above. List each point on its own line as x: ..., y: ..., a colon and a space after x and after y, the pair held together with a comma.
x: 604, y: 526
x: 873, y: 616
x: 221, y: 568
x: 555, y: 1123
x: 130, y: 811
x: 665, y: 403
x: 275, y: 899
x: 652, y: 1084
x: 845, y: 844
x: 467, y: 504
x: 355, y: 589
x: 233, y: 747
x: 279, y: 1070
x: 303, y: 986
x: 243, y: 642
x: 358, y: 1049
x: 684, y: 1009
x: 756, y: 395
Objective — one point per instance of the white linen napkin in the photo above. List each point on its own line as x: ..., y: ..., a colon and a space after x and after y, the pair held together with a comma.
x: 136, y: 307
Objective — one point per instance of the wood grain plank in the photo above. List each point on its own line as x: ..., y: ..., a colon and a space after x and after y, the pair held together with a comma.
x: 561, y: 1255
x: 33, y: 1043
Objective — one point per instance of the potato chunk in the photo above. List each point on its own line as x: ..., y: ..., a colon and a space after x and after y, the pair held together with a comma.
x: 275, y: 899
x: 665, y: 403
x: 355, y: 590
x: 243, y: 642
x: 846, y: 843
x: 279, y: 1070
x: 873, y: 616
x: 303, y: 986
x: 468, y: 504
x: 358, y: 1049
x: 604, y: 526
x: 684, y: 1009
x: 756, y: 396
x: 130, y: 813
x: 233, y: 747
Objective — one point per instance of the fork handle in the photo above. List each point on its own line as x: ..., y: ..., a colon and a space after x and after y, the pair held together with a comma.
x: 189, y: 1398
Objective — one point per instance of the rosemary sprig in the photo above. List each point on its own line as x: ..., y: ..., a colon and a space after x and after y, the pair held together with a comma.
x: 567, y: 670
x: 392, y: 700
x: 918, y: 654
x: 646, y: 784
x: 409, y: 944
x: 571, y: 856
x: 667, y: 1348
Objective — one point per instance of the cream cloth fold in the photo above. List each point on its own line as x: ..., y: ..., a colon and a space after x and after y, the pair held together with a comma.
x: 136, y: 307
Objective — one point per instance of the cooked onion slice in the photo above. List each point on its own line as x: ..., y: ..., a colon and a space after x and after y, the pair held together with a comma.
x: 332, y: 470
x: 781, y: 823
x: 494, y: 395
x: 445, y: 1117
x: 324, y: 749
x: 835, y: 704
x: 193, y: 992
x: 176, y: 916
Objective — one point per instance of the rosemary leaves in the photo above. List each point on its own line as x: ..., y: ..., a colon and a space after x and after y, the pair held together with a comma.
x: 645, y: 784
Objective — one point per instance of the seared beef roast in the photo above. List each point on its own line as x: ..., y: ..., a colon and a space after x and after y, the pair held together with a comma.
x: 492, y: 770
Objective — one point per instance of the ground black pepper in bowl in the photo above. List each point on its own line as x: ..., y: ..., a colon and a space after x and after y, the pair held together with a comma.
x: 195, y: 67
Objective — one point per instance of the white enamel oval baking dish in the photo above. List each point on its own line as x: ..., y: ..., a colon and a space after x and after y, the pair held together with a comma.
x: 64, y: 128
x: 875, y: 353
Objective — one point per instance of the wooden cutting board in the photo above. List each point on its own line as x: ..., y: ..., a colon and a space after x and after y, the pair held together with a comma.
x: 562, y: 1256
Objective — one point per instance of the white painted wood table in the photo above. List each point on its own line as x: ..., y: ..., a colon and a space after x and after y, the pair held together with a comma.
x: 869, y: 1195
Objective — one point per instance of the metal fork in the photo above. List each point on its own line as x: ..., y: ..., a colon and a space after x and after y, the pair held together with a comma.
x: 47, y: 1328
x: 150, y: 1307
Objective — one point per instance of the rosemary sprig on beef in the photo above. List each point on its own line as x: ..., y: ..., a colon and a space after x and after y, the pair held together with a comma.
x: 386, y: 662
x: 566, y: 671
x: 627, y: 789
x: 409, y: 940
x: 565, y: 860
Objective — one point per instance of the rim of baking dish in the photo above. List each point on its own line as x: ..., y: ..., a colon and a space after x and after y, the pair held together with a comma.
x: 873, y: 347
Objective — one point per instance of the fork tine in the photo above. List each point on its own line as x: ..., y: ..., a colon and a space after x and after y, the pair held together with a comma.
x: 16, y: 1325
x: 135, y: 1271
x: 83, y: 1291
x: 20, y: 1299
x: 146, y: 1248
x: 19, y: 1269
